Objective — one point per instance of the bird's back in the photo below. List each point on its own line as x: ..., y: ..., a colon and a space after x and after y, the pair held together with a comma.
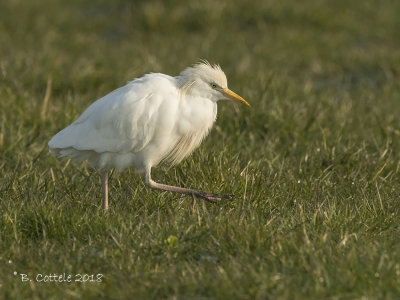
x: 113, y: 130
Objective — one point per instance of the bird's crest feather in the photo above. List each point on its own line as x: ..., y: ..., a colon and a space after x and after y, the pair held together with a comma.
x: 204, y: 70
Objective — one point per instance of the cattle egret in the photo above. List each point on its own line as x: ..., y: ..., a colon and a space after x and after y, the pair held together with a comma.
x: 152, y: 119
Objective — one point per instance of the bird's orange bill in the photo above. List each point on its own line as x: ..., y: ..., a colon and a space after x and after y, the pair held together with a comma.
x: 232, y: 95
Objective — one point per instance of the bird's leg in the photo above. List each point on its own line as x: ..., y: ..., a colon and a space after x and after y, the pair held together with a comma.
x: 104, y: 188
x: 206, y: 196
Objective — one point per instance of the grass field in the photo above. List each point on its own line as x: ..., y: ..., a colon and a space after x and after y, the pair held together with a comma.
x: 314, y: 163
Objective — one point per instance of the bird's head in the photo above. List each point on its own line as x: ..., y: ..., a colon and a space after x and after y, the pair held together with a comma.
x: 209, y: 81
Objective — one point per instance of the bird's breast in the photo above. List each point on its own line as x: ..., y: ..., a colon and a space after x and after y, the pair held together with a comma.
x: 195, y: 121
x: 196, y: 115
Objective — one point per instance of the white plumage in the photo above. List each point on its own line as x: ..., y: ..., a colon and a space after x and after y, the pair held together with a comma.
x: 151, y: 119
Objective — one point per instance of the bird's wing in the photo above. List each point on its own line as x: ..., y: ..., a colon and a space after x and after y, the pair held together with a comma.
x: 122, y: 121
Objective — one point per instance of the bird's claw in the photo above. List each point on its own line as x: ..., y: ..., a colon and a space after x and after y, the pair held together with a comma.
x: 213, y: 198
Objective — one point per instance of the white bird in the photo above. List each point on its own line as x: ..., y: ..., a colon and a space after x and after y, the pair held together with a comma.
x: 152, y: 119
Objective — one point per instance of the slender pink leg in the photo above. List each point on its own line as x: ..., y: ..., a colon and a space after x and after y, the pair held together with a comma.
x: 206, y: 196
x: 104, y: 188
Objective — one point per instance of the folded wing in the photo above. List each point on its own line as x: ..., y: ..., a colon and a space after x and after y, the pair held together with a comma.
x: 120, y: 122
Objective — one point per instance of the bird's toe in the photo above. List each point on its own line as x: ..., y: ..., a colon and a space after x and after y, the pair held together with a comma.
x: 213, y: 197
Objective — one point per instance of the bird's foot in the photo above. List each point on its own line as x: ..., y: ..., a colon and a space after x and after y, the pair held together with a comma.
x: 212, y: 198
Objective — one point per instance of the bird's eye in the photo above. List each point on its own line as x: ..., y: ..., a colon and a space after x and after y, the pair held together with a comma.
x: 213, y: 85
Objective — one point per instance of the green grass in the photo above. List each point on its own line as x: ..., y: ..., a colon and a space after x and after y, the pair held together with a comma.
x: 314, y: 163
